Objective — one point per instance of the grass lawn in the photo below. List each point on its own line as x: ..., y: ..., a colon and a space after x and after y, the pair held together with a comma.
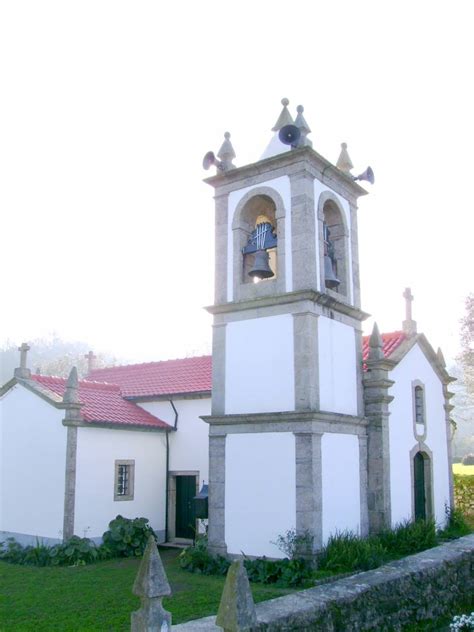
x: 465, y: 470
x: 99, y: 596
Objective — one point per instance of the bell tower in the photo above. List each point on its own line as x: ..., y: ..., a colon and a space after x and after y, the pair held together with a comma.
x: 288, y: 441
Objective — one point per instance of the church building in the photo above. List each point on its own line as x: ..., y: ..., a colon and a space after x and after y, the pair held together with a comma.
x: 298, y: 422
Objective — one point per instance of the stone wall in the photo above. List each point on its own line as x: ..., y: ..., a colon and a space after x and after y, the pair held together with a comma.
x: 420, y: 586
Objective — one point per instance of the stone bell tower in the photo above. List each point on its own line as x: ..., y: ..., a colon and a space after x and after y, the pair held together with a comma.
x: 287, y: 433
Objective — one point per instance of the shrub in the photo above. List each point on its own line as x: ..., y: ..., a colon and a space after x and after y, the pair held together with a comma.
x: 464, y: 493
x: 197, y: 559
x: 408, y: 537
x: 456, y: 525
x: 294, y: 545
x: 126, y: 537
x: 295, y: 572
x: 76, y: 551
x: 345, y: 552
x: 462, y: 622
x: 468, y: 459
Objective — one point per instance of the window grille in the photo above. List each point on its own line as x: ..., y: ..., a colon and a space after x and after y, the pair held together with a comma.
x: 124, y: 480
x: 419, y: 405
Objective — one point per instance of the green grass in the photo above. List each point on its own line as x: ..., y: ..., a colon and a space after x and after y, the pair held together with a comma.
x: 99, y: 596
x: 465, y: 470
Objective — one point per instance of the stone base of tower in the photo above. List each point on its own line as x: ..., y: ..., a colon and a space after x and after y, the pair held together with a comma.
x: 276, y: 472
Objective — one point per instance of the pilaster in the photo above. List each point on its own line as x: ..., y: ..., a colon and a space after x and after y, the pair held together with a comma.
x: 218, y: 369
x: 303, y: 227
x: 216, y: 533
x: 309, y: 489
x: 305, y: 332
x: 221, y: 250
x: 70, y: 483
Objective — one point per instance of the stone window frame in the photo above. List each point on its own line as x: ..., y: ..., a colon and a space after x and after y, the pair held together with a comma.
x: 427, y: 455
x: 418, y: 384
x: 130, y: 463
x: 240, y: 234
x: 341, y: 244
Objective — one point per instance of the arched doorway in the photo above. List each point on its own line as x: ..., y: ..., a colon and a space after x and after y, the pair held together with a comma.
x: 420, y: 486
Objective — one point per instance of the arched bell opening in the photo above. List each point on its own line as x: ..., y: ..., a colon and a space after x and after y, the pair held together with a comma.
x: 258, y: 241
x: 335, y: 244
x: 422, y: 486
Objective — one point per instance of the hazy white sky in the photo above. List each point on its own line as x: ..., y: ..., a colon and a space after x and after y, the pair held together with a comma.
x: 107, y: 108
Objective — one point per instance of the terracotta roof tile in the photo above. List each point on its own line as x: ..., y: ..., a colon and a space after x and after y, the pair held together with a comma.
x: 102, y: 402
x: 169, y: 377
x: 391, y: 341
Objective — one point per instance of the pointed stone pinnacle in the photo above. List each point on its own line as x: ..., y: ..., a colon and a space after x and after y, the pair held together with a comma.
x: 344, y: 162
x: 376, y: 344
x: 226, y: 153
x: 300, y: 121
x: 237, y: 609
x: 284, y: 118
x: 71, y: 394
x: 151, y: 580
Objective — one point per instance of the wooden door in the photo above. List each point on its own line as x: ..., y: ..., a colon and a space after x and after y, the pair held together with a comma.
x: 420, y: 487
x: 185, y: 519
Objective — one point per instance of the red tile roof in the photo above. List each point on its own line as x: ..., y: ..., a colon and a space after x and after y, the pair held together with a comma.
x: 169, y: 377
x: 103, y: 403
x: 390, y: 341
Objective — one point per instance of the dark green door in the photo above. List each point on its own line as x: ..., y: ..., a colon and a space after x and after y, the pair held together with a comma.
x: 185, y: 520
x: 420, y: 493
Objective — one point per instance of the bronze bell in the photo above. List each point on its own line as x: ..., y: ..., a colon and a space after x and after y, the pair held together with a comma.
x: 331, y: 280
x: 261, y: 268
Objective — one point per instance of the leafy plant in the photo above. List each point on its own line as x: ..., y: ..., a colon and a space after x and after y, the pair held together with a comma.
x: 346, y: 552
x: 293, y: 544
x: 285, y: 572
x: 197, y: 559
x: 408, y: 537
x: 464, y: 493
x: 456, y: 525
x: 127, y: 537
x: 75, y: 552
x: 463, y: 622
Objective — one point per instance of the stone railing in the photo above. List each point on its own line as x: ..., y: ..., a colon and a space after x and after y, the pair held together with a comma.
x: 426, y: 585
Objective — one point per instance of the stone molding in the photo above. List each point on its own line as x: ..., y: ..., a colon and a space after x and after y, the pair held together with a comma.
x: 428, y: 467
x: 70, y: 483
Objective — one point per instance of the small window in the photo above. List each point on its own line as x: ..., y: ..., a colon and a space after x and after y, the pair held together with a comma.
x: 124, y: 480
x: 419, y: 405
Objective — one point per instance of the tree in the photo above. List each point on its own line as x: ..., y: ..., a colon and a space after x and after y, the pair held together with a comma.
x: 466, y: 357
x: 50, y: 356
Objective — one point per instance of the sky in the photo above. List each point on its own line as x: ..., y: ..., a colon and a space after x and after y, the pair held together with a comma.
x: 107, y: 108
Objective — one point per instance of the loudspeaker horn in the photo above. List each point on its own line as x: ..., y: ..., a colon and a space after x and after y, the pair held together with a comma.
x: 368, y: 175
x: 289, y: 135
x: 210, y: 159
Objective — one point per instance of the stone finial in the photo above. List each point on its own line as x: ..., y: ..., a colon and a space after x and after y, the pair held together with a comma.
x: 440, y: 356
x: 23, y: 371
x: 376, y: 344
x: 71, y: 394
x: 303, y: 126
x: 151, y: 585
x: 237, y: 609
x: 91, y: 358
x: 408, y: 325
x: 226, y: 153
x: 344, y: 162
x: 284, y: 118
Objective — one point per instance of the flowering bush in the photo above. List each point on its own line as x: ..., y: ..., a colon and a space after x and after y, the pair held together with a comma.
x: 462, y: 622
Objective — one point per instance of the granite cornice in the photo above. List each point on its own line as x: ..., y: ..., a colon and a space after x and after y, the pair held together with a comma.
x: 294, y: 161
x: 166, y: 397
x: 290, y: 297
x: 290, y: 416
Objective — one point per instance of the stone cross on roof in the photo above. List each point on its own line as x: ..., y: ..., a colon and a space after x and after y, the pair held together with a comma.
x: 23, y: 371
x: 91, y: 358
x: 409, y: 325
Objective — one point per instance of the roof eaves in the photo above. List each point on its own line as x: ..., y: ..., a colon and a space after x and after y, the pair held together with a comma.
x: 167, y: 396
x: 113, y: 425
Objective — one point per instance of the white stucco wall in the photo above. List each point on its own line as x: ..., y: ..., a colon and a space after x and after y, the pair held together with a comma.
x: 320, y: 188
x: 260, y: 491
x: 97, y: 450
x: 415, y: 366
x: 337, y: 367
x: 281, y: 186
x: 189, y: 445
x: 32, y: 465
x: 259, y: 365
x: 341, y: 483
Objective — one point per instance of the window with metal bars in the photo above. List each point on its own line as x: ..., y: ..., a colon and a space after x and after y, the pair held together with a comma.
x: 419, y: 405
x: 124, y: 480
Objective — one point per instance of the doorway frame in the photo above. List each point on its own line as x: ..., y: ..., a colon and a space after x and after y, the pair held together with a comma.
x: 172, y: 475
x: 428, y: 475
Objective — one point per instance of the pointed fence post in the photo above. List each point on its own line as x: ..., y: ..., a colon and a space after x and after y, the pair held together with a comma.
x: 237, y: 609
x: 151, y: 585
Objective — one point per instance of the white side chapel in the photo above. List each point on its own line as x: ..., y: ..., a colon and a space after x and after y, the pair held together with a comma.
x: 310, y: 425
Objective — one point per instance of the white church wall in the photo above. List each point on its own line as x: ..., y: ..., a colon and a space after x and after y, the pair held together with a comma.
x: 260, y: 491
x: 415, y: 366
x: 281, y: 186
x: 97, y: 451
x: 320, y: 188
x: 337, y: 367
x: 259, y: 365
x: 189, y: 445
x: 32, y: 465
x: 341, y: 483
